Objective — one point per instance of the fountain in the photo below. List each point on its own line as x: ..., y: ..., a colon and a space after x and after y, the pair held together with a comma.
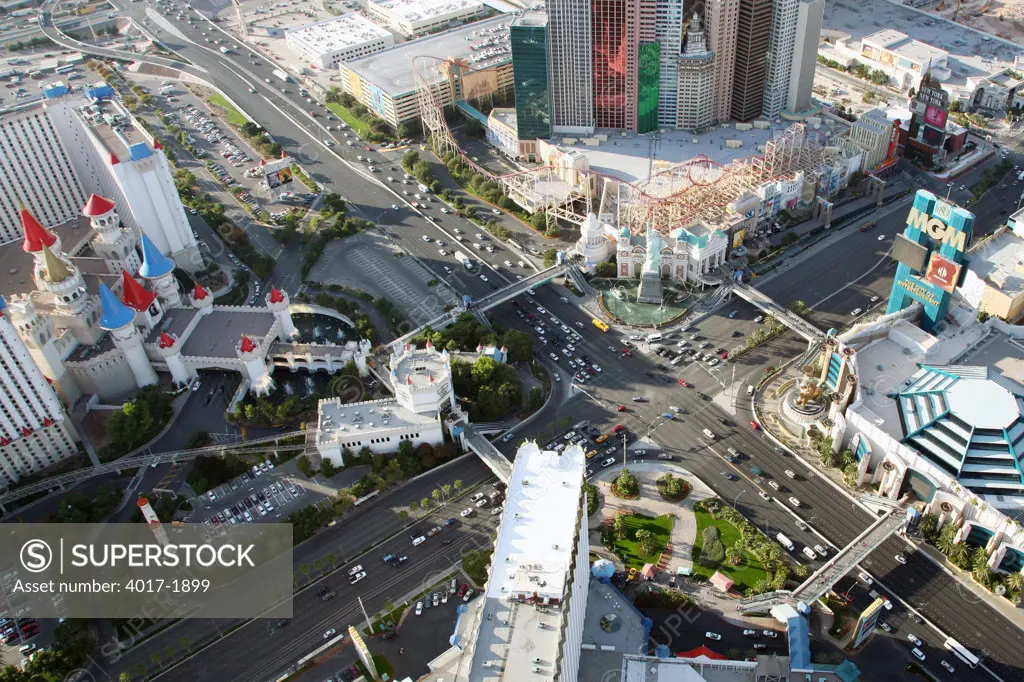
x: 317, y: 333
x: 288, y: 388
x: 340, y: 334
x: 310, y: 384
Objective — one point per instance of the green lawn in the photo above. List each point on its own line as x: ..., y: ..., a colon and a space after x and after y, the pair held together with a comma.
x: 629, y: 549
x: 745, y: 575
x: 358, y: 125
x: 234, y: 116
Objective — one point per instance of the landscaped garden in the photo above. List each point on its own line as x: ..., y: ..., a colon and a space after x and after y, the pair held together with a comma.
x: 719, y: 546
x: 637, y: 539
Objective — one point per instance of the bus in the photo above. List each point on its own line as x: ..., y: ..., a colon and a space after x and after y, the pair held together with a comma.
x: 599, y: 324
x: 65, y: 69
x: 961, y: 652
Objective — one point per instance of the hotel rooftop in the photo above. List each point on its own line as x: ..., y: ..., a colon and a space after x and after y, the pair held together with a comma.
x: 520, y: 628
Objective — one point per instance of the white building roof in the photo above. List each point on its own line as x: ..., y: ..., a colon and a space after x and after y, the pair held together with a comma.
x: 422, y: 10
x: 905, y: 46
x: 532, y: 555
x: 339, y: 33
x: 340, y: 422
x: 420, y: 367
x: 999, y: 261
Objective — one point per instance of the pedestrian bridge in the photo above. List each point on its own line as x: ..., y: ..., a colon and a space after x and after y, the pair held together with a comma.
x: 506, y: 293
x: 783, y: 315
x: 491, y: 456
x: 835, y: 568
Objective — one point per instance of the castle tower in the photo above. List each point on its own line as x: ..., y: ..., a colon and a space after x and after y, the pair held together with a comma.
x: 201, y: 300
x: 159, y: 269
x: 36, y: 236
x: 170, y: 351
x: 38, y: 333
x: 113, y: 244
x: 119, y: 320
x: 260, y: 381
x: 277, y: 301
x: 141, y: 300
x: 153, y: 520
x: 74, y: 308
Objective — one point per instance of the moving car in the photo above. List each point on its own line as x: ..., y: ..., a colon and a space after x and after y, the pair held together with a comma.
x: 713, y: 635
x: 794, y: 501
x: 419, y: 608
x: 900, y: 558
x: 330, y: 633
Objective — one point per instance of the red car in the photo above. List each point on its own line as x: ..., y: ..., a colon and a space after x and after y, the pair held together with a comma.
x: 620, y: 408
x: 754, y: 425
x: 213, y: 519
x: 724, y: 354
x: 462, y: 590
x: 682, y: 382
x: 618, y: 427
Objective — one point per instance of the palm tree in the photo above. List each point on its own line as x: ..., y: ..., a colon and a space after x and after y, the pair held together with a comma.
x: 304, y: 569
x: 425, y: 503
x: 124, y: 677
x: 185, y: 643
x: 155, y: 658
x: 1015, y: 583
x: 318, y: 565
x: 947, y: 539
x: 979, y: 559
x: 960, y: 555
x: 140, y: 669
x: 331, y: 559
x: 458, y: 484
x: 169, y: 651
x: 446, y: 490
x: 436, y: 494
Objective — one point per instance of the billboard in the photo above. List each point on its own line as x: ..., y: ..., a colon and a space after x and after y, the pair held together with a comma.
x: 277, y: 173
x: 910, y: 253
x: 867, y: 621
x: 894, y: 140
x: 931, y: 136
x: 943, y: 273
x: 934, y: 116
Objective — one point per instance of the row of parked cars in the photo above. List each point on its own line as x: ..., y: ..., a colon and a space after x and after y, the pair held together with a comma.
x: 465, y: 593
x: 22, y: 629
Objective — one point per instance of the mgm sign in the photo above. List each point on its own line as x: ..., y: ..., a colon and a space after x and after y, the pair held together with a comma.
x: 931, y: 254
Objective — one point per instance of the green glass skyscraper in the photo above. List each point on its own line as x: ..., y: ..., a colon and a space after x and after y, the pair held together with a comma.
x: 528, y: 36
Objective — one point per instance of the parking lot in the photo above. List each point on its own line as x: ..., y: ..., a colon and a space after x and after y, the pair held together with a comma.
x: 20, y: 635
x: 364, y: 261
x: 264, y: 493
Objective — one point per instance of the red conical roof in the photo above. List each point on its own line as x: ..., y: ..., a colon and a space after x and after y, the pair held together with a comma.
x: 97, y: 206
x: 166, y: 340
x: 263, y: 162
x: 275, y: 295
x: 36, y: 235
x: 114, y: 160
x: 135, y: 295
x: 247, y: 345
x: 199, y: 293
x: 157, y: 145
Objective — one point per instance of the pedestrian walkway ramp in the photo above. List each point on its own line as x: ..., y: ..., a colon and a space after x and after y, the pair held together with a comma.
x: 770, y: 307
x: 490, y: 455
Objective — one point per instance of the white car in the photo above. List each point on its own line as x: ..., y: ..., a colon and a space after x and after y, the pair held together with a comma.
x: 495, y: 211
x: 765, y: 496
x: 419, y: 608
x: 468, y: 511
x: 483, y: 277
x: 918, y: 654
x: 713, y: 635
x: 330, y: 633
x: 795, y: 502
x: 820, y: 550
x: 867, y: 579
x: 394, y: 206
x: 950, y: 669
x: 328, y: 143
x: 357, y: 577
x: 355, y: 569
x: 902, y: 559
x: 508, y: 264
x: 881, y: 237
x: 914, y: 638
x: 770, y: 633
x: 856, y: 312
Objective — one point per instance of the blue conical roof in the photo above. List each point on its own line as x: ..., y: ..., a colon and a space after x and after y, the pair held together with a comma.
x: 154, y: 263
x: 115, y: 314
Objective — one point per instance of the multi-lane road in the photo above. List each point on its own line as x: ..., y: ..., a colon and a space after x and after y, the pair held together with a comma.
x: 919, y: 581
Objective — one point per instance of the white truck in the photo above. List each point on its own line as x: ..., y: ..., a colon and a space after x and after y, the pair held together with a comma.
x: 785, y: 542
x: 225, y: 50
x: 278, y: 73
x: 464, y: 260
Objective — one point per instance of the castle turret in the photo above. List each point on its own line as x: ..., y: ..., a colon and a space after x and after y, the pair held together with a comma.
x: 119, y: 320
x: 73, y: 306
x: 260, y: 381
x: 36, y: 236
x: 112, y: 243
x: 146, y: 509
x: 159, y: 270
x: 201, y: 299
x: 39, y: 335
x: 277, y: 301
x: 170, y: 351
x: 141, y: 300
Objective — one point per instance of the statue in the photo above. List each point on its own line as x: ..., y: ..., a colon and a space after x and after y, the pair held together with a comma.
x: 652, y: 263
x: 810, y: 391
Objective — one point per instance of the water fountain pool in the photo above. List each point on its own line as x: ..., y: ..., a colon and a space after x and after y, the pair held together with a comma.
x: 313, y: 327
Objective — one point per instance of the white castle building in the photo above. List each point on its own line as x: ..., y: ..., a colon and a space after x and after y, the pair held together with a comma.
x: 685, y: 255
x: 77, y: 142
x: 422, y: 383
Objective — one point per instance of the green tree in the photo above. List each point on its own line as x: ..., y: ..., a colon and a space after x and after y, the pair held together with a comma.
x: 124, y: 677
x: 626, y: 483
x: 458, y: 485
x: 947, y: 539
x: 425, y: 503
x: 538, y: 221
x: 605, y: 269
x: 799, y: 307
x: 550, y: 256
x: 436, y: 494
x: 646, y: 540
x: 304, y: 466
x: 446, y: 491
x: 960, y: 555
x: 620, y: 527
x: 518, y: 344
x: 327, y: 468
x: 734, y: 556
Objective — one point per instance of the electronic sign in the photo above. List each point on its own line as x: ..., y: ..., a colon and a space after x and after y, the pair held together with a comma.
x: 935, y: 116
x: 943, y: 273
x: 909, y: 252
x: 867, y: 621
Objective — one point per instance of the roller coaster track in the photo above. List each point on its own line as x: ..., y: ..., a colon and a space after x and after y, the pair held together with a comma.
x: 697, y: 189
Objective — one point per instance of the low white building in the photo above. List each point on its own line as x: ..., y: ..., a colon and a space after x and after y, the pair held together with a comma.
x: 413, y: 18
x: 329, y: 43
x: 685, y: 255
x: 422, y: 382
x: 531, y: 625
